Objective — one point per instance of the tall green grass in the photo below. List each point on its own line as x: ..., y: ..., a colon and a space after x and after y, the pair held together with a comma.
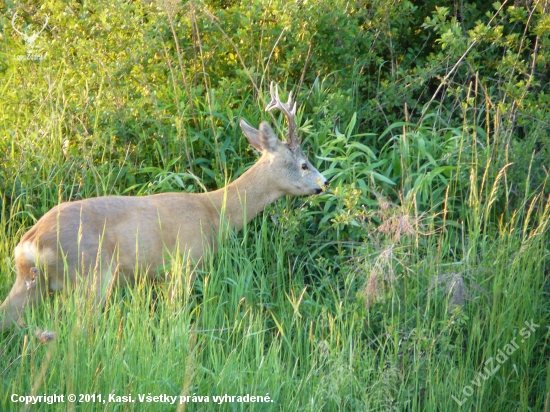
x: 392, y: 292
x: 405, y: 322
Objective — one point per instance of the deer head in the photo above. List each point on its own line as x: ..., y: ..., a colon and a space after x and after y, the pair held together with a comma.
x: 29, y: 40
x: 296, y: 175
x: 108, y: 240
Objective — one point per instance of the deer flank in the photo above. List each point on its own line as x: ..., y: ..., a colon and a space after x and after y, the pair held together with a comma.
x: 105, y: 241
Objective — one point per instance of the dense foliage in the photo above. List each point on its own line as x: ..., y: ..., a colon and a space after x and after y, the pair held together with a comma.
x: 430, y: 118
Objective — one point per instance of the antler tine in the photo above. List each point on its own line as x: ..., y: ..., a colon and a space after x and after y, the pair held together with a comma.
x: 288, y: 109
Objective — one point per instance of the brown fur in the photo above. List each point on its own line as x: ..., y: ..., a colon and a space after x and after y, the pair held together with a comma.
x: 103, y: 240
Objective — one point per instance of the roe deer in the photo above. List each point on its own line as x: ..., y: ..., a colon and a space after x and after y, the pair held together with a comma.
x: 104, y: 240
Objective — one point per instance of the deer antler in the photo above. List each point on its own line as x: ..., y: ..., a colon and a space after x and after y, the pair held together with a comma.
x: 28, y: 39
x: 44, y: 26
x: 289, y: 110
x: 13, y: 25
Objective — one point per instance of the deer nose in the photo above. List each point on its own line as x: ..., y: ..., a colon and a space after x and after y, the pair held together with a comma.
x: 324, y: 188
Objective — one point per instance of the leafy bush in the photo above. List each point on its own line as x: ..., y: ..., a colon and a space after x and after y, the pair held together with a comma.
x: 431, y: 120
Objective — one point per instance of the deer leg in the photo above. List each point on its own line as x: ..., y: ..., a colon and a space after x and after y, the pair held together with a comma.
x: 28, y: 291
x: 96, y: 288
x: 103, y: 283
x: 181, y: 282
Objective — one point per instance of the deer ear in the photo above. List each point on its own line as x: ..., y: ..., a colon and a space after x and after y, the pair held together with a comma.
x: 269, y: 139
x: 263, y: 139
x: 253, y: 135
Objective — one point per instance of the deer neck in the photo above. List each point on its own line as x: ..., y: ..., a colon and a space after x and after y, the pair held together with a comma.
x: 243, y: 199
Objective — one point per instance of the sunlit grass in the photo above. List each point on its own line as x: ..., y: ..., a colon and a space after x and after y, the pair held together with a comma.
x: 256, y: 323
x: 392, y: 292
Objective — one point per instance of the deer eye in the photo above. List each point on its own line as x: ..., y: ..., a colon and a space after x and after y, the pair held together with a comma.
x: 304, y: 166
